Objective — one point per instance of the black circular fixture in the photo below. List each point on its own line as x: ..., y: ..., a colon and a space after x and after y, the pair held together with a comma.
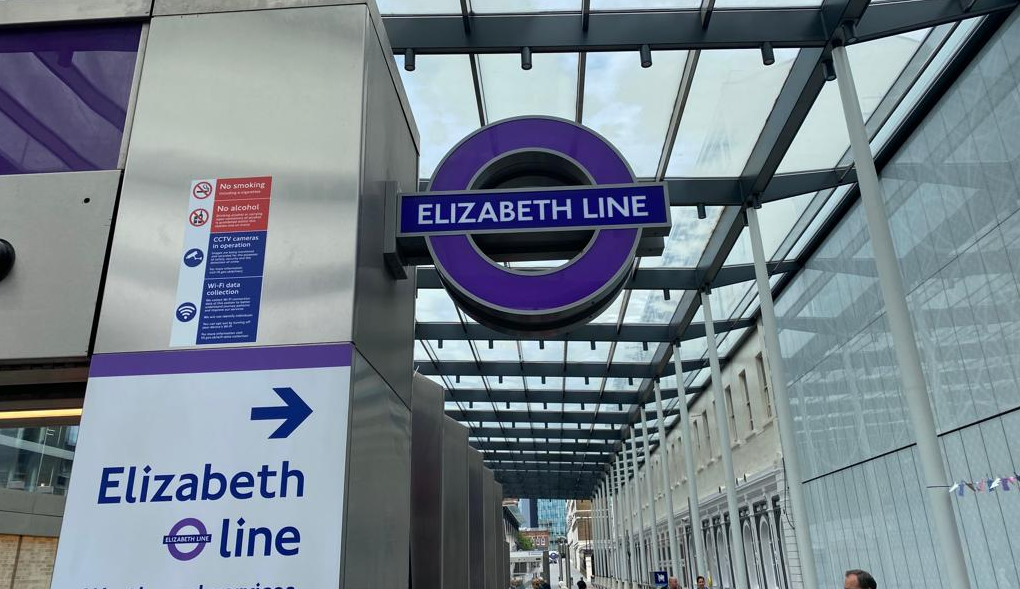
x: 6, y: 258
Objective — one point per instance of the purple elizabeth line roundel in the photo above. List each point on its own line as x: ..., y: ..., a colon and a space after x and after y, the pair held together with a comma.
x: 521, y: 301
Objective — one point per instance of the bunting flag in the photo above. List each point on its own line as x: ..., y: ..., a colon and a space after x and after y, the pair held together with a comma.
x: 986, y: 485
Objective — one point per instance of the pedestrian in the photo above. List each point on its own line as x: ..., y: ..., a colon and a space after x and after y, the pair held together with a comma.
x: 581, y: 584
x: 858, y: 579
x: 701, y: 582
x: 673, y: 583
x: 536, y: 583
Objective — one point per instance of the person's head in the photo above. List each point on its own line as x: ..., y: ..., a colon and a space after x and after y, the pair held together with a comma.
x: 581, y: 584
x: 858, y: 579
x: 701, y: 582
x: 536, y: 583
x: 562, y: 584
x: 674, y: 583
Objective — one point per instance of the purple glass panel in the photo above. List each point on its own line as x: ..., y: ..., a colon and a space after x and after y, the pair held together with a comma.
x: 64, y: 96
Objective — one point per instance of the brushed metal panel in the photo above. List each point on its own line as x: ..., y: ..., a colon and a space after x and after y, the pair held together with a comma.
x: 456, y: 525
x: 377, y: 518
x: 427, y: 430
x: 244, y: 94
x: 173, y: 7
x: 476, y: 518
x: 383, y: 307
x: 51, y: 11
x: 489, y: 494
x: 59, y: 225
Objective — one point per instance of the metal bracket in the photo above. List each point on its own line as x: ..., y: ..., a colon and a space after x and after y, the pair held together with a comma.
x: 6, y: 258
x: 395, y: 263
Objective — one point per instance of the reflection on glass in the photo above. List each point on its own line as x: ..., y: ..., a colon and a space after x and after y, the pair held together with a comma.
x: 64, y: 97
x: 441, y: 95
x: 419, y: 6
x: 548, y: 88
x: 483, y: 6
x: 876, y: 65
x: 618, y: 105
x: 37, y: 459
x: 731, y: 97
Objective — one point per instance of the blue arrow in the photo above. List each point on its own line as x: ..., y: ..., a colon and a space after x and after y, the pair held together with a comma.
x: 293, y: 413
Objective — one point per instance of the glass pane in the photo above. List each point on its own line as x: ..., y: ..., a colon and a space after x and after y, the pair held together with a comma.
x: 650, y: 306
x: 765, y: 3
x: 66, y: 97
x: 549, y: 88
x: 582, y: 352
x: 876, y: 65
x: 482, y: 6
x: 499, y: 351
x: 618, y: 105
x: 434, y: 304
x: 419, y: 6
x: 639, y: 4
x: 37, y: 459
x: 452, y: 350
x: 442, y: 98
x: 687, y: 238
x: 731, y: 97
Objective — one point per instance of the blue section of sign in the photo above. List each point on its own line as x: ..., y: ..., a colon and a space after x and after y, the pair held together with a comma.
x: 230, y: 310
x: 660, y: 578
x: 530, y: 210
x: 233, y: 255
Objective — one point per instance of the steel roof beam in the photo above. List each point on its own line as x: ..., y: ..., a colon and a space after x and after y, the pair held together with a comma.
x: 592, y: 332
x: 451, y: 368
x: 552, y: 458
x: 659, y: 278
x: 609, y: 397
x: 573, y: 417
x: 608, y: 448
x: 539, y: 433
x: 670, y: 29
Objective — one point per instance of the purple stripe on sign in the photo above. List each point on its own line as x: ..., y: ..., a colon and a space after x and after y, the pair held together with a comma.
x: 221, y: 360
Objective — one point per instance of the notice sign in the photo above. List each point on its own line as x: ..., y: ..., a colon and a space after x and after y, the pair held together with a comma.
x: 219, y: 285
x: 238, y: 483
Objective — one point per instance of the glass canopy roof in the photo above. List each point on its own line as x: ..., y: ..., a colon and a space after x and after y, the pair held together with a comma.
x: 697, y: 114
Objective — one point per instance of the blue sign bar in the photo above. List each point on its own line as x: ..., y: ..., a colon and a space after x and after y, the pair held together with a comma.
x: 534, y: 209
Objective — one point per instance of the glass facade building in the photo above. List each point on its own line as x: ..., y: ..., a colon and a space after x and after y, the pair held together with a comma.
x: 552, y: 515
x: 953, y: 193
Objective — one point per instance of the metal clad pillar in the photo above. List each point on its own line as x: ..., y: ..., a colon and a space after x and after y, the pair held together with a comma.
x: 617, y: 573
x: 456, y: 493
x: 489, y: 523
x: 784, y: 414
x: 674, y: 545
x: 427, y: 428
x: 476, y: 517
x: 642, y: 549
x: 725, y: 446
x: 648, y: 484
x: 689, y: 465
x: 908, y: 358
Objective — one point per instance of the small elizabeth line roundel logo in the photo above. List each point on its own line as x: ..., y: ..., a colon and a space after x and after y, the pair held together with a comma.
x: 189, y: 533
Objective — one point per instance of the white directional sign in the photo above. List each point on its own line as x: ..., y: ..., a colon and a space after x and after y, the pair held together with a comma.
x: 209, y: 469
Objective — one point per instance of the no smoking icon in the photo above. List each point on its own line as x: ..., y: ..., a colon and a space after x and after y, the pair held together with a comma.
x: 202, y: 190
x: 198, y: 217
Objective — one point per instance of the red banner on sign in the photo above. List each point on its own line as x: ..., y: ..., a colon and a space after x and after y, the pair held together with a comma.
x: 243, y: 188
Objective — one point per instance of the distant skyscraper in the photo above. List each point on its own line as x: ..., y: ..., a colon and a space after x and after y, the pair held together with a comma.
x: 552, y: 515
x: 529, y: 509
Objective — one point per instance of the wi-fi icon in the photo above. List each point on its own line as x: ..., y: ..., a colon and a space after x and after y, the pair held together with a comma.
x: 186, y: 312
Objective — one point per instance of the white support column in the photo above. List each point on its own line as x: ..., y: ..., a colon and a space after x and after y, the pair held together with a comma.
x: 615, y: 528
x: 690, y: 466
x: 654, y: 544
x: 621, y: 528
x: 628, y: 501
x: 725, y: 445
x: 674, y: 543
x: 643, y: 562
x: 603, y: 535
x: 908, y: 358
x: 784, y: 414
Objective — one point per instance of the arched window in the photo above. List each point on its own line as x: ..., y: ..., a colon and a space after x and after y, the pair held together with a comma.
x: 725, y: 571
x: 768, y: 555
x: 753, y: 562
